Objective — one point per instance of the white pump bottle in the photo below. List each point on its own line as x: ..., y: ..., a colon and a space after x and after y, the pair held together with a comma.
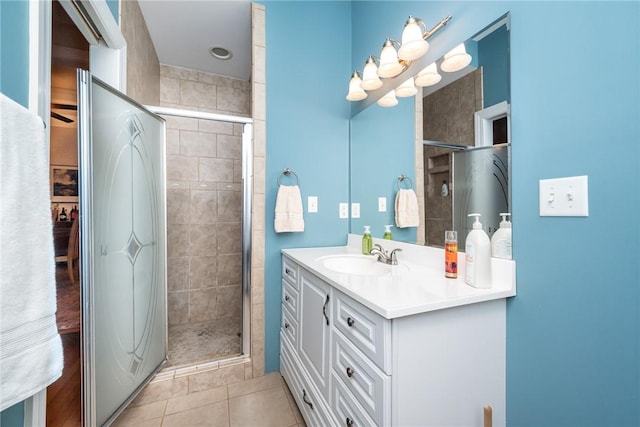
x: 501, y: 239
x: 477, y: 256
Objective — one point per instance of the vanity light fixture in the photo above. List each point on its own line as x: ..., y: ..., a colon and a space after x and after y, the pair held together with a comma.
x: 389, y: 65
x: 428, y: 76
x: 407, y: 88
x: 370, y: 79
x: 389, y: 100
x: 356, y: 93
x: 413, y: 43
x: 456, y: 59
x: 393, y: 62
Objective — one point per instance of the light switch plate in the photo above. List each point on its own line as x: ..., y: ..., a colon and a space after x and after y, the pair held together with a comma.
x: 343, y: 210
x: 564, y: 196
x: 312, y: 204
x: 355, y: 210
x: 382, y: 204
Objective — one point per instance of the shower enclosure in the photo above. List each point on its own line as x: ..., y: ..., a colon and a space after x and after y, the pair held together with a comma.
x: 208, y: 235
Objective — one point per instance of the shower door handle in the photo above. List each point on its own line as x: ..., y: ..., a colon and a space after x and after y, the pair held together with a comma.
x: 324, y: 309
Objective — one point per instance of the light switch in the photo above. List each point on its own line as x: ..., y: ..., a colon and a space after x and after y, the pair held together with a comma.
x: 312, y: 204
x: 382, y: 204
x: 564, y: 196
x: 355, y: 210
x: 343, y: 210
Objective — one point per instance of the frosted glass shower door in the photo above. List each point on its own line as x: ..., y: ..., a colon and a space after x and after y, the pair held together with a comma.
x: 123, y: 249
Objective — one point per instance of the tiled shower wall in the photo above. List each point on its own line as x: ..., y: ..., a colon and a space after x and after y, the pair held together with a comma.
x: 204, y: 196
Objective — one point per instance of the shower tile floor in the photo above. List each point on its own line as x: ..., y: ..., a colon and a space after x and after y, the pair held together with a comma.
x: 203, y: 342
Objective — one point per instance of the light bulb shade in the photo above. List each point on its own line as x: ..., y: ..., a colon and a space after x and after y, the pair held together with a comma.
x: 456, y: 59
x: 407, y: 88
x: 389, y: 100
x: 389, y: 65
x: 370, y: 79
x: 413, y: 43
x: 428, y: 77
x: 355, y: 91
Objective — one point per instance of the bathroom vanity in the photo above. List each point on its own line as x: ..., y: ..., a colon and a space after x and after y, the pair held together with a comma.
x: 364, y: 343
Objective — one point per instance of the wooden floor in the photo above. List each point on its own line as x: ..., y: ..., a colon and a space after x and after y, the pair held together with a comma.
x: 64, y: 399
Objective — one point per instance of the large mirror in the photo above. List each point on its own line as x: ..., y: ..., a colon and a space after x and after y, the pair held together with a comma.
x: 452, y: 143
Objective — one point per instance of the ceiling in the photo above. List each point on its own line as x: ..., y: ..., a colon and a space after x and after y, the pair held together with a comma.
x: 183, y: 31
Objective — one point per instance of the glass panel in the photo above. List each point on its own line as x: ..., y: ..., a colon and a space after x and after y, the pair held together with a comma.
x: 124, y: 228
x: 480, y: 185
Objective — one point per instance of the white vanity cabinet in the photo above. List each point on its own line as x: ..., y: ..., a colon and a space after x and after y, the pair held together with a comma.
x: 347, y: 365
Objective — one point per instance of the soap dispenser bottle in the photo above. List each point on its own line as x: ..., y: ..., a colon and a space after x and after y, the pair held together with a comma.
x: 367, y: 241
x: 478, y: 256
x: 387, y: 233
x: 501, y: 239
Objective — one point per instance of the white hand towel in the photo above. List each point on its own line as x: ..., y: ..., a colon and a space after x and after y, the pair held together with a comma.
x: 406, y: 207
x: 289, y: 209
x: 30, y: 346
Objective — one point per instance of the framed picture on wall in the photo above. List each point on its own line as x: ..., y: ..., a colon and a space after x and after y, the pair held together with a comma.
x: 64, y: 184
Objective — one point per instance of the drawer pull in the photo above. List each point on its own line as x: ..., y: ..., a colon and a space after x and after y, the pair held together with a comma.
x: 287, y: 271
x: 350, y: 321
x: 349, y: 422
x: 324, y: 309
x: 286, y: 325
x: 350, y: 372
x: 305, y: 399
x: 286, y: 298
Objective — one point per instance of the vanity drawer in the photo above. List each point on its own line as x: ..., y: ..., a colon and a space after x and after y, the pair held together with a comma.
x: 290, y: 298
x: 369, y: 385
x: 345, y: 408
x: 289, y: 327
x: 290, y: 271
x: 306, y: 396
x: 368, y: 331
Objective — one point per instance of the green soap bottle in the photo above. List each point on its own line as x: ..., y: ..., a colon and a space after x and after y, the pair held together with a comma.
x: 367, y: 240
x: 387, y: 233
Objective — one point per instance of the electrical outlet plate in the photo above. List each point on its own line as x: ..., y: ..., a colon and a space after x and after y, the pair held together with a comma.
x: 564, y: 196
x: 382, y: 204
x: 343, y: 210
x: 312, y: 204
x: 355, y: 210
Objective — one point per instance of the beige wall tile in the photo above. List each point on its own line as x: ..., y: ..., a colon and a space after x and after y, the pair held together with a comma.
x: 178, y: 307
x: 259, y: 138
x: 173, y: 141
x: 177, y: 240
x: 181, y: 123
x: 197, y: 144
x: 203, y: 272
x: 178, y: 206
x: 259, y: 56
x: 181, y: 168
x: 203, y: 207
x: 212, y: 126
x: 229, y: 205
x: 258, y: 27
x: 229, y: 147
x: 220, y: 170
x: 257, y: 285
x: 177, y: 274
x: 178, y: 72
x: 259, y: 101
x: 229, y: 238
x: 258, y: 214
x: 202, y: 304
x: 197, y: 94
x: 230, y: 302
x: 203, y: 239
x: 229, y: 269
x: 233, y: 99
x: 169, y: 90
x: 257, y: 252
x: 258, y: 174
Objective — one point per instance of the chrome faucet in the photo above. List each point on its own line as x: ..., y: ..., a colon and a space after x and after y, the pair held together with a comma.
x: 384, y: 256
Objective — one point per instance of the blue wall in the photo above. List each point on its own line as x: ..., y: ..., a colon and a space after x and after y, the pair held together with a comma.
x: 14, y: 50
x: 308, y: 131
x: 495, y: 63
x: 573, y: 330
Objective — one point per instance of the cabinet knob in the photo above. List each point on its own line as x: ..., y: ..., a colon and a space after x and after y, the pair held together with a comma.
x: 286, y: 325
x: 350, y: 321
x: 287, y: 271
x: 350, y: 372
x: 286, y: 298
x: 349, y: 422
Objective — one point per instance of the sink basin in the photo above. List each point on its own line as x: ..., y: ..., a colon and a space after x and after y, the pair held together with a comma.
x: 360, y: 265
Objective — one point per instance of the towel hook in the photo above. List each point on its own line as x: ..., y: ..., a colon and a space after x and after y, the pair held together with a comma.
x: 402, y: 178
x: 287, y: 171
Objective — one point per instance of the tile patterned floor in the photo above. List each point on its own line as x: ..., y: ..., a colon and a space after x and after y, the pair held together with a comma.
x: 207, y: 341
x: 258, y: 402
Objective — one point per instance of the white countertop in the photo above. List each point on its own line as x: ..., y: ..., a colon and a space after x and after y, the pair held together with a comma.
x: 416, y: 286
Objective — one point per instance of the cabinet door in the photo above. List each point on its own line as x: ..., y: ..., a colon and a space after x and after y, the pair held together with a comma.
x: 314, y: 329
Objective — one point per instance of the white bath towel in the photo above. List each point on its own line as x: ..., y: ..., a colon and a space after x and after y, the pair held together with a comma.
x: 406, y: 207
x: 30, y: 347
x: 289, y: 216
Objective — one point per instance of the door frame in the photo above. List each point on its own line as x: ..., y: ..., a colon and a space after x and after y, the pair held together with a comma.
x: 108, y: 59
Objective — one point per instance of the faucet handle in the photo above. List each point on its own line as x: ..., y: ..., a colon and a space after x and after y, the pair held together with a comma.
x: 393, y: 256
